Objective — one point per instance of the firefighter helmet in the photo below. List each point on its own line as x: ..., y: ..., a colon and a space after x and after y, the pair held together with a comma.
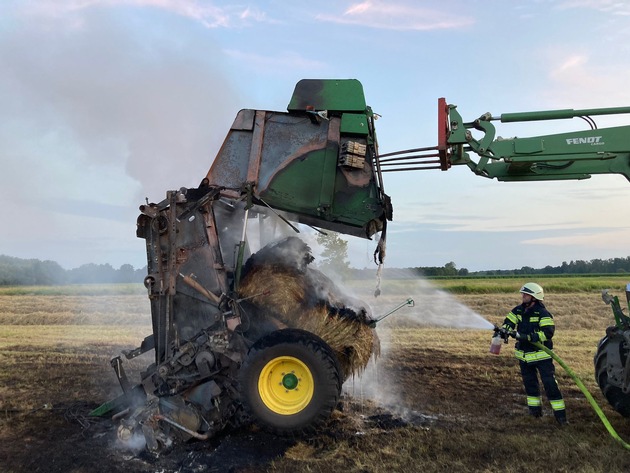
x: 534, y: 290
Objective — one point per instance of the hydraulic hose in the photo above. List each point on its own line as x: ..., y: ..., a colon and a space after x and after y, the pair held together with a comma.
x: 588, y: 395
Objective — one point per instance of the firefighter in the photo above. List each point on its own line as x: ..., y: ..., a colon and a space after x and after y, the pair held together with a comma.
x: 531, y: 322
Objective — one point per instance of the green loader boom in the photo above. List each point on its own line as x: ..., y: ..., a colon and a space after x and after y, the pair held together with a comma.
x: 574, y: 155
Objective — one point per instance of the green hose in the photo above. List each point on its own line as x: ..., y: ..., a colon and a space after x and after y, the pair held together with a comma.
x: 588, y: 395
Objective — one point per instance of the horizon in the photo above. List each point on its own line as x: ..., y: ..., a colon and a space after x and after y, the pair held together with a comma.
x: 374, y: 268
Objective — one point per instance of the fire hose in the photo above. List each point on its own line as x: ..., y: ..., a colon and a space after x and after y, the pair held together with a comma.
x: 501, y: 333
x: 586, y: 393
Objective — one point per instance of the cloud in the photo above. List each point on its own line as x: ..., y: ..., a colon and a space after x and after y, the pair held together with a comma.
x: 614, y: 239
x: 203, y: 12
x: 396, y: 16
x: 257, y: 15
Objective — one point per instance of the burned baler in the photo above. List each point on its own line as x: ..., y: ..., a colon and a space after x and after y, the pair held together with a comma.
x: 228, y: 343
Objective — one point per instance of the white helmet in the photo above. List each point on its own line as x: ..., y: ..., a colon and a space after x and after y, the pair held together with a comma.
x: 534, y: 290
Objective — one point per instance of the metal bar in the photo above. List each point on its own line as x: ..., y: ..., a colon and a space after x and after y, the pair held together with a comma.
x: 412, y: 169
x: 414, y: 150
x: 241, y: 253
x: 278, y: 215
x: 558, y: 114
x: 255, y: 153
x: 171, y: 271
x: 217, y: 252
x: 181, y: 427
x: 433, y: 161
x: 409, y: 302
x: 413, y: 156
x: 200, y: 289
x: 375, y: 159
x: 444, y: 130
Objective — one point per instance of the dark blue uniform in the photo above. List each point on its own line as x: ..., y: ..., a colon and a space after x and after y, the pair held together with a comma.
x: 537, y: 325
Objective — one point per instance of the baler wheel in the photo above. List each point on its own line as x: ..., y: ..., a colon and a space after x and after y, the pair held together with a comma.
x: 614, y: 395
x: 290, y: 382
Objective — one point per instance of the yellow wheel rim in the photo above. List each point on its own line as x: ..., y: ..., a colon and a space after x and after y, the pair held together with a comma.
x: 286, y: 385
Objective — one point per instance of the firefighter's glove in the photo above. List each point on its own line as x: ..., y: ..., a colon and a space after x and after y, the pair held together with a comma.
x: 521, y: 337
x: 503, y: 333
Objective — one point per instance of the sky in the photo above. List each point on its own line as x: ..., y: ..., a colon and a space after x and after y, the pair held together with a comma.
x: 107, y: 103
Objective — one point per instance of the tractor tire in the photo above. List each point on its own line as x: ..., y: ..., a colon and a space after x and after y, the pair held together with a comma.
x: 290, y: 382
x: 613, y: 394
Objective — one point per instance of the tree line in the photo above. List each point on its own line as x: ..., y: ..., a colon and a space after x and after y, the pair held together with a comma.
x: 594, y: 266
x: 35, y: 272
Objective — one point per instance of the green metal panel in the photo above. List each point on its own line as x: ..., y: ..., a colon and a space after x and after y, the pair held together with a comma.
x: 354, y: 123
x: 529, y: 145
x: 298, y: 187
x: 344, y: 95
x: 312, y: 186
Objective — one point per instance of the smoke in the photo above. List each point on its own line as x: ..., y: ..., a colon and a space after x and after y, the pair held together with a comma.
x: 432, y: 308
x: 134, y: 444
x: 114, y: 90
x: 100, y: 109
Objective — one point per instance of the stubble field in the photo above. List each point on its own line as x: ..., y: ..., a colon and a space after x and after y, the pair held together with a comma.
x: 435, y: 400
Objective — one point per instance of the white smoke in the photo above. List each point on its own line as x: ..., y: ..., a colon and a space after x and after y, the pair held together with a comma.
x: 101, y: 109
x: 432, y: 308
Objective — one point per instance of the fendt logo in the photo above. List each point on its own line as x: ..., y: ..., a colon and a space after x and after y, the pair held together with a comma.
x: 587, y: 140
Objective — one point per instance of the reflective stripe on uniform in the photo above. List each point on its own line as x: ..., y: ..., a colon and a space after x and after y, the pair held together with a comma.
x: 546, y: 322
x: 533, y: 401
x: 531, y: 356
x: 557, y: 405
x: 512, y: 318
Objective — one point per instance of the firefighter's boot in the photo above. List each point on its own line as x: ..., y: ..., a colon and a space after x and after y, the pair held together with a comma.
x: 561, y: 417
x: 535, y: 411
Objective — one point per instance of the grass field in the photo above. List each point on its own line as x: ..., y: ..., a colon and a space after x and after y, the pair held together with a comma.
x: 435, y: 400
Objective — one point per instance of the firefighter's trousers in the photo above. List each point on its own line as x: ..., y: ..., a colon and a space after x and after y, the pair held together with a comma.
x: 546, y: 369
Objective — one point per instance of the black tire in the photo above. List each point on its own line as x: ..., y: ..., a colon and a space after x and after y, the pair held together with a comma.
x: 290, y: 382
x: 613, y: 394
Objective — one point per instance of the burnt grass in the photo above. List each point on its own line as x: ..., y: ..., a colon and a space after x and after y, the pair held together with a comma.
x: 444, y: 404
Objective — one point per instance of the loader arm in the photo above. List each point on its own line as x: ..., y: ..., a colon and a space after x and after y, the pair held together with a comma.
x: 573, y: 155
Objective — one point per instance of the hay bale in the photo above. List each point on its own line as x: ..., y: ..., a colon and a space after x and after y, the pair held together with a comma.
x: 274, y: 287
x: 353, y: 342
x: 304, y: 298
